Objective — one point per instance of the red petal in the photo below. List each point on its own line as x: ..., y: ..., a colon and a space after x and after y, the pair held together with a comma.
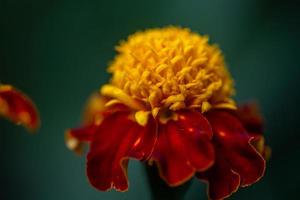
x: 251, y: 118
x: 234, y: 142
x: 17, y: 107
x: 183, y: 147
x: 233, y: 149
x: 222, y: 180
x: 95, y: 111
x: 84, y: 134
x: 75, y: 138
x: 117, y: 139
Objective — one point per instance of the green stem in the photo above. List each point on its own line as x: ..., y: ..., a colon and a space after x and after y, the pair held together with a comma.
x: 160, y: 190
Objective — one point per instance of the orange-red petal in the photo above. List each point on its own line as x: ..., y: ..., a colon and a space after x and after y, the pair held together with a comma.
x: 183, y: 147
x: 17, y: 107
x: 233, y: 148
x: 117, y: 139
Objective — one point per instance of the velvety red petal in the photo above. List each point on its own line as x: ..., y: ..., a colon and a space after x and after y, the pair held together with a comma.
x: 235, y: 143
x: 222, y: 180
x: 17, y: 107
x: 117, y: 139
x: 251, y: 118
x: 183, y: 147
x: 233, y: 149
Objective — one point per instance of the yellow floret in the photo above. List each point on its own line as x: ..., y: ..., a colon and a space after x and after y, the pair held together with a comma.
x: 171, y: 68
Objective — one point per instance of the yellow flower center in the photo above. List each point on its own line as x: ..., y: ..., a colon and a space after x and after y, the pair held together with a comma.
x: 170, y: 68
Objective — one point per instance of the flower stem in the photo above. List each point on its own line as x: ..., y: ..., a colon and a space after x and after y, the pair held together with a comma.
x: 160, y: 190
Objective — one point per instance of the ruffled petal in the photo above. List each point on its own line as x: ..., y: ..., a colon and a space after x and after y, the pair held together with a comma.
x: 183, y: 147
x: 234, y: 150
x: 222, y: 180
x: 251, y: 118
x: 117, y: 139
x: 17, y: 107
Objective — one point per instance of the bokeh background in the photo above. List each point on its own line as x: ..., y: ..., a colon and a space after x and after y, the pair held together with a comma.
x: 57, y: 51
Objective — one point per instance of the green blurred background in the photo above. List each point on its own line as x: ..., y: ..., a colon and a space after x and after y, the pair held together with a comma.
x: 57, y: 51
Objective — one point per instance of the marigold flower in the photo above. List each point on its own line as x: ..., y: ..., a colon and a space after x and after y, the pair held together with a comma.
x: 169, y: 102
x: 17, y: 107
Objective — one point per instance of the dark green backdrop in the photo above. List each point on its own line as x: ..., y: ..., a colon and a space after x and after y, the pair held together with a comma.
x: 57, y: 51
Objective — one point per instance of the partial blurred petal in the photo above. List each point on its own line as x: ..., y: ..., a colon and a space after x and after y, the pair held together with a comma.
x: 17, y: 107
x: 75, y: 138
x: 250, y: 117
x: 92, y: 112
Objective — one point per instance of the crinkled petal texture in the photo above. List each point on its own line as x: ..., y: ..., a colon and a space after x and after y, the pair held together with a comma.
x: 252, y: 120
x: 183, y: 147
x: 17, y: 107
x: 237, y: 162
x: 117, y: 139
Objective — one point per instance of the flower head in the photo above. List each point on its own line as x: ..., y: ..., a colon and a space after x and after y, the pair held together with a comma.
x: 170, y: 68
x: 17, y: 107
x: 169, y: 103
